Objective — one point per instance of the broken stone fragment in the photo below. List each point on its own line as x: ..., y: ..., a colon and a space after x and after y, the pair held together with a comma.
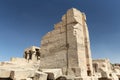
x: 52, y: 73
x: 40, y: 76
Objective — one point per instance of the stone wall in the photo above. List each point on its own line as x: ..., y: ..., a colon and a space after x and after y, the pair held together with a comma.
x: 68, y: 45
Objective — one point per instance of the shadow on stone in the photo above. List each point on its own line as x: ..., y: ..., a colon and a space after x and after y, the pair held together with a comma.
x: 104, y: 79
x: 5, y: 79
x: 61, y: 78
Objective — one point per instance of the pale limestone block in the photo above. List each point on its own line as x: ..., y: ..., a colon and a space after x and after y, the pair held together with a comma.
x: 73, y: 15
x: 21, y: 74
x: 54, y: 60
x: 29, y: 79
x: 18, y: 60
x: 53, y: 73
x: 74, y: 72
x: 40, y: 76
x: 4, y: 73
x: 105, y: 74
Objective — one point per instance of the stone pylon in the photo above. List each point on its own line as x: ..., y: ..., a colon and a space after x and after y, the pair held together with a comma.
x: 68, y: 46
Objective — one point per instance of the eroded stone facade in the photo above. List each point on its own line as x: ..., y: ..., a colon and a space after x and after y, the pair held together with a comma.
x: 68, y: 45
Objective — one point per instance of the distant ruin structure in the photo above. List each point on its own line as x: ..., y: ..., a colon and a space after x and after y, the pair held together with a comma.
x: 32, y: 53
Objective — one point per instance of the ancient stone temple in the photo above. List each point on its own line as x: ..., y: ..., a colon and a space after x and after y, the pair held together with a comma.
x: 68, y: 45
x: 64, y: 54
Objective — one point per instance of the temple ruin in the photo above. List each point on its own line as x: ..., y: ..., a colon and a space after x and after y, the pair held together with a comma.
x: 33, y: 53
x: 64, y: 54
x: 69, y: 45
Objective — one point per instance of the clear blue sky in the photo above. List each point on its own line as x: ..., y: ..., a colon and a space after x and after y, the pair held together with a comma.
x: 24, y: 22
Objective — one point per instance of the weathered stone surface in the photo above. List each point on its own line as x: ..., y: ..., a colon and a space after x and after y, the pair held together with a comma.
x: 21, y: 74
x: 18, y: 68
x: 4, y: 73
x: 67, y: 47
x: 16, y: 60
x: 74, y: 72
x: 68, y: 44
x: 53, y: 73
x: 29, y: 79
x: 102, y: 66
x: 40, y: 76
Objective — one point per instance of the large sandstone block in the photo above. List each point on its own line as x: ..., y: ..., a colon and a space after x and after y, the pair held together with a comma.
x: 4, y: 73
x: 53, y: 73
x: 73, y: 16
x: 40, y: 76
x: 54, y: 61
x: 21, y: 74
